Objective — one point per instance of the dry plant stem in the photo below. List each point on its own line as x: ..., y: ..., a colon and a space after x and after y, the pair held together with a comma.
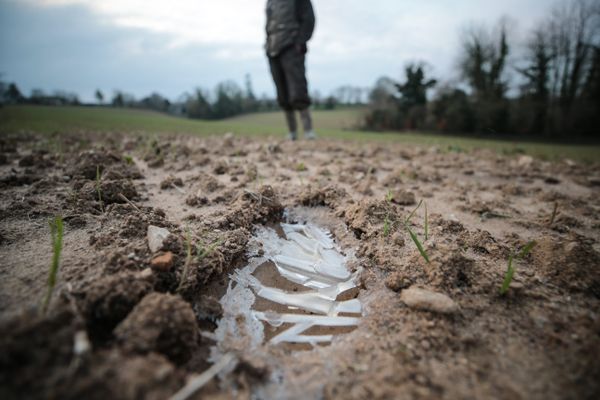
x: 56, y: 231
x: 125, y: 199
x: 554, y: 212
x: 199, y: 381
x: 99, y: 188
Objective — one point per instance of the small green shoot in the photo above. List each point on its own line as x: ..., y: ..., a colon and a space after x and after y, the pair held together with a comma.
x: 491, y: 214
x: 99, y: 188
x: 386, y: 226
x: 389, y: 196
x: 128, y: 160
x: 56, y: 232
x: 412, y: 213
x: 525, y: 250
x: 426, y: 223
x: 188, y: 258
x: 510, y: 270
x: 455, y: 149
x: 300, y: 167
x: 554, y: 212
x: 203, y: 252
x: 417, y: 243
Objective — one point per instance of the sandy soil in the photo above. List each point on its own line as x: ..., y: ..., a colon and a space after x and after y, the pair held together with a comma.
x: 123, y: 325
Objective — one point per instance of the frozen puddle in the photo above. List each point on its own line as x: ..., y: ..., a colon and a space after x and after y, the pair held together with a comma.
x: 292, y: 291
x: 296, y: 292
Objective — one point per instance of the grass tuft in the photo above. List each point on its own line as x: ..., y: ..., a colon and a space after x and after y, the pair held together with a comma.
x: 188, y: 258
x: 56, y: 232
x: 387, y: 226
x: 300, y: 167
x: 510, y: 270
x: 389, y: 196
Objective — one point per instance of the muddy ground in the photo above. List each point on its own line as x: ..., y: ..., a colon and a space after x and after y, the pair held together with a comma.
x: 127, y: 323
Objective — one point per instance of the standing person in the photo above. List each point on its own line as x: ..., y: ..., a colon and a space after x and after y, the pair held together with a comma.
x: 290, y: 24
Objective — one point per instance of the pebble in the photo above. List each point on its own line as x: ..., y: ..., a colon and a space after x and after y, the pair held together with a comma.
x: 156, y: 237
x: 162, y: 262
x: 525, y: 161
x: 403, y: 197
x: 422, y: 299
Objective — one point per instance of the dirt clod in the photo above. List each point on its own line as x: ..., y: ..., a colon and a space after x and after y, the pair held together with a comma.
x: 107, y: 301
x: 160, y: 323
x: 403, y: 197
x: 162, y: 262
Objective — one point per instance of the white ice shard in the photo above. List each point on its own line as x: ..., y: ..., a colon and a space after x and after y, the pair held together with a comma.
x: 307, y: 256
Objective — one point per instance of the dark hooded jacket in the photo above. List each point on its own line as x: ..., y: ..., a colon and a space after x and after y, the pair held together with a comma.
x: 289, y: 23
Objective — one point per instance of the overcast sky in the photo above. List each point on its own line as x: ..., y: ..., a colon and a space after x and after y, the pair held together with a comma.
x: 172, y: 46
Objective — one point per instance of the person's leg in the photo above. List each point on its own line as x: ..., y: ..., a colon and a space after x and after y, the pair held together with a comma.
x: 292, y: 62
x: 290, y: 118
x: 280, y: 80
x: 307, y: 124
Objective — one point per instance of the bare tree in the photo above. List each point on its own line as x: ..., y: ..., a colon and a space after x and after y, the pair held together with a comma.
x: 483, y: 60
x: 574, y: 32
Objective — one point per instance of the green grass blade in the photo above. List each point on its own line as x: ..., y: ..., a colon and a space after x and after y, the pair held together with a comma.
x: 426, y: 223
x: 417, y: 243
x: 386, y: 226
x: 389, y: 196
x: 508, y: 275
x: 56, y: 232
x: 413, y: 212
x: 525, y: 250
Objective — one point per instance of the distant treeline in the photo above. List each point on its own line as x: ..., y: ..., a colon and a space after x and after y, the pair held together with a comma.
x: 226, y: 100
x: 550, y: 86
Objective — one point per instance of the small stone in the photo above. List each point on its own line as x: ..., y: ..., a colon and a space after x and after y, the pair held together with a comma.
x: 516, y: 286
x: 228, y: 139
x: 156, y: 237
x: 144, y: 274
x: 422, y: 299
x: 403, y: 197
x: 525, y: 161
x: 162, y: 262
x: 81, y: 343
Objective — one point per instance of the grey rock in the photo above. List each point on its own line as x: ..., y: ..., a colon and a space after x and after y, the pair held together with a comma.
x: 422, y: 299
x: 156, y: 237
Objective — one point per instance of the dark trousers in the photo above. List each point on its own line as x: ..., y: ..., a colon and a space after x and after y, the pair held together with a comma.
x: 289, y: 74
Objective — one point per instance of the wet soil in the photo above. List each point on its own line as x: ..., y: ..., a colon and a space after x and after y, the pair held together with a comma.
x: 118, y: 328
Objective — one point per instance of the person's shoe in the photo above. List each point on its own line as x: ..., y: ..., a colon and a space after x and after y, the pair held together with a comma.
x: 292, y: 136
x: 310, y: 135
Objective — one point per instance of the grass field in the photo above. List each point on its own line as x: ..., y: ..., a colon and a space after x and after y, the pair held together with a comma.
x: 331, y: 124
